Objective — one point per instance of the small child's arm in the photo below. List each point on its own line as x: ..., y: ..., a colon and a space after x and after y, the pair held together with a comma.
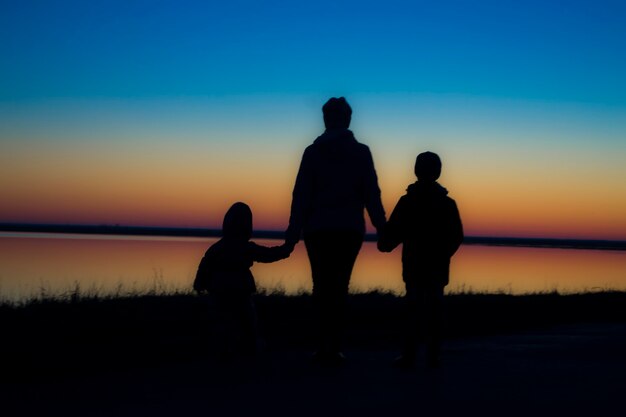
x: 267, y: 254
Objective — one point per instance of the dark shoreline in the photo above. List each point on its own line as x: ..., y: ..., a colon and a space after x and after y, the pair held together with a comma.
x: 129, y: 331
x: 548, y: 354
x: 619, y: 245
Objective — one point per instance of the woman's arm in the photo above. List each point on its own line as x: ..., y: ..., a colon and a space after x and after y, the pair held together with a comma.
x: 301, y: 198
x: 373, y: 202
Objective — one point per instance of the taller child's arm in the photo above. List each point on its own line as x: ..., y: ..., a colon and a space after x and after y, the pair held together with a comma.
x: 392, y: 234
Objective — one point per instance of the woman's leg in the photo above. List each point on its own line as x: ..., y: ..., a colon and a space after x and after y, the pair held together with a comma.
x: 332, y: 256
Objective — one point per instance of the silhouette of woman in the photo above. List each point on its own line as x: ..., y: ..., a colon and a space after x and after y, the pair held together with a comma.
x: 335, y: 183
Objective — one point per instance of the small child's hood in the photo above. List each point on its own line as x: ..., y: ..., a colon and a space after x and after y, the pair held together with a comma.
x: 238, y: 222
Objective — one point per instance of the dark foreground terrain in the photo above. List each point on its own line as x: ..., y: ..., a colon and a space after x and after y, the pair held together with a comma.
x: 544, y: 354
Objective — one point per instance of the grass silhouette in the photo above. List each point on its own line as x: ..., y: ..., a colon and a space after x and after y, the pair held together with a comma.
x: 86, y: 332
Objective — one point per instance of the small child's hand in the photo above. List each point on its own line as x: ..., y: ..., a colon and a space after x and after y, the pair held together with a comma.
x: 285, y: 250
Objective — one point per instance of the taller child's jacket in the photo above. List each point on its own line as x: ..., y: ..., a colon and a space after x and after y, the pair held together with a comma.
x: 427, y: 223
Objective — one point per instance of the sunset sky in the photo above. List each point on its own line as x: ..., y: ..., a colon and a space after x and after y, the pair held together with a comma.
x: 164, y: 113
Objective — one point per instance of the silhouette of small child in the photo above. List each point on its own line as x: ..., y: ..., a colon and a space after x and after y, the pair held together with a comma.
x: 224, y: 273
x: 427, y: 223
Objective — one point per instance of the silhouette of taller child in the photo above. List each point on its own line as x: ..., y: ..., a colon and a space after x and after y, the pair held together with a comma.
x: 428, y: 225
x: 336, y: 182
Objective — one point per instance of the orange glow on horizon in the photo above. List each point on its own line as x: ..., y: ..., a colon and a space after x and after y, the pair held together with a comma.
x: 180, y: 186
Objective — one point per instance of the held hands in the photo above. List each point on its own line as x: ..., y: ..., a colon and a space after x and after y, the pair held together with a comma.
x: 381, y: 242
x: 285, y: 249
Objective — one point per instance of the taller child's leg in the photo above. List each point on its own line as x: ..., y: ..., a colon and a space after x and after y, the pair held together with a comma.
x: 423, y: 319
x: 433, y: 322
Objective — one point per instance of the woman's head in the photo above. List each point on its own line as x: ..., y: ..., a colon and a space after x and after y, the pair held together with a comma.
x: 337, y: 113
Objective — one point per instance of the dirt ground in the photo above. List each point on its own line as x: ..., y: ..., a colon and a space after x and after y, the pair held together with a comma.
x: 572, y: 370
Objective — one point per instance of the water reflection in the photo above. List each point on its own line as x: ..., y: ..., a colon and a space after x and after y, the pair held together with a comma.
x: 56, y: 263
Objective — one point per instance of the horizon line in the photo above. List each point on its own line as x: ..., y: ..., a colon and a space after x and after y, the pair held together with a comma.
x: 539, y: 242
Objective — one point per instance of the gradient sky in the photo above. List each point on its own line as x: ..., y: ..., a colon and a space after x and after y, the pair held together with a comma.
x: 166, y: 112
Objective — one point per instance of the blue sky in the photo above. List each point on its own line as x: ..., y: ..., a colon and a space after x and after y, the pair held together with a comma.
x: 546, y: 50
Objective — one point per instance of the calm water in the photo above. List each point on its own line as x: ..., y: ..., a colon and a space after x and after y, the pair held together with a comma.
x: 32, y: 263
